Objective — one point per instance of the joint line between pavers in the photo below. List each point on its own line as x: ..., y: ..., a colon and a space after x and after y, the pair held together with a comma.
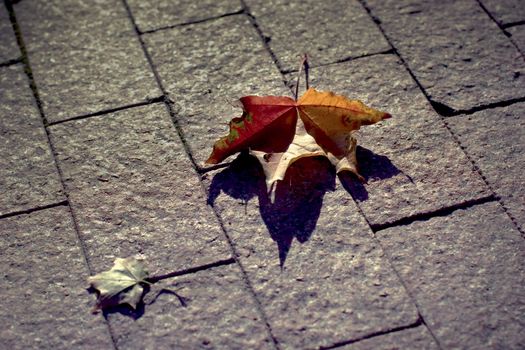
x: 191, y: 270
x: 207, y: 19
x: 512, y: 24
x: 34, y: 90
x: 343, y: 60
x: 150, y: 101
x: 418, y: 323
x: 502, y: 28
x: 435, y: 213
x: 34, y: 209
x: 196, y: 168
x: 11, y: 62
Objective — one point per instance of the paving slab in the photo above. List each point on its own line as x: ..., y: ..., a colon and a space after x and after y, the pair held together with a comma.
x: 327, y: 31
x: 85, y: 56
x: 411, y: 162
x: 216, y: 63
x: 408, y: 339
x: 505, y: 11
x: 44, y: 303
x: 152, y: 15
x: 466, y: 271
x: 134, y: 191
x: 495, y: 140
x: 518, y: 36
x: 313, y: 262
x: 210, y: 309
x: 28, y: 175
x: 8, y: 46
x: 458, y: 54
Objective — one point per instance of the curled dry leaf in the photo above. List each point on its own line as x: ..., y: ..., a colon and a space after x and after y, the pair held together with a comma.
x: 278, y: 131
x: 122, y: 284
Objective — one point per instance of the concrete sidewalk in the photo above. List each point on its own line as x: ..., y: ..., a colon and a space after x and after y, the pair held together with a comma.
x: 108, y: 110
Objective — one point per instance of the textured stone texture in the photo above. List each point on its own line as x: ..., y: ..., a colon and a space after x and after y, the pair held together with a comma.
x: 133, y: 190
x: 506, y: 11
x: 335, y: 283
x: 466, y: 272
x: 408, y: 339
x: 328, y: 31
x: 518, y: 35
x: 216, y: 312
x: 454, y: 49
x: 411, y: 161
x: 151, y: 15
x: 8, y: 47
x: 205, y: 68
x: 85, y: 56
x: 495, y: 139
x: 44, y: 300
x: 28, y: 175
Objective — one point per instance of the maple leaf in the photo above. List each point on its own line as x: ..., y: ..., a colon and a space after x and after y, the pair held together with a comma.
x: 122, y: 284
x: 278, y: 131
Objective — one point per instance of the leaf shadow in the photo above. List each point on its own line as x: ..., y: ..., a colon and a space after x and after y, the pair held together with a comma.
x: 371, y: 166
x: 298, y: 198
x: 127, y: 310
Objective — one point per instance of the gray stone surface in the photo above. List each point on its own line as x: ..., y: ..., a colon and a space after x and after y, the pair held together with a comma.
x: 408, y: 339
x: 495, y: 139
x: 8, y: 46
x: 327, y: 30
x: 466, y: 272
x: 134, y: 190
x: 218, y: 313
x: 518, y: 36
x: 151, y: 15
x: 216, y: 63
x: 44, y: 300
x: 28, y: 175
x: 454, y: 49
x: 335, y: 283
x: 506, y: 11
x: 411, y: 161
x: 85, y: 56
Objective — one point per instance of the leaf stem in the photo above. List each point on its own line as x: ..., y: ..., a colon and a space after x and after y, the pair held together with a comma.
x: 304, y: 64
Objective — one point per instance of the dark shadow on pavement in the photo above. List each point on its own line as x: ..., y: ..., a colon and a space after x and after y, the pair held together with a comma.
x: 371, y: 166
x: 298, y: 198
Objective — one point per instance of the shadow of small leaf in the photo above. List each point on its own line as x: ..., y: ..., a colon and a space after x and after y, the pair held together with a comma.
x: 298, y: 198
x: 124, y: 309
x: 182, y: 300
x: 371, y: 166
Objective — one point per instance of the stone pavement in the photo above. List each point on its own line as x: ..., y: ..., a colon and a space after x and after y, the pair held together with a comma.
x: 108, y: 110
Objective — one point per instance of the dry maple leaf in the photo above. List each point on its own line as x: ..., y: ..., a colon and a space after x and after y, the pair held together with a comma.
x: 122, y: 284
x: 269, y: 128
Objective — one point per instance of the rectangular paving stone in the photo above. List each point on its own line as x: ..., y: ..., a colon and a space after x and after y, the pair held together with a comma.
x: 28, y: 175
x: 466, y: 271
x: 458, y: 54
x: 408, y: 339
x: 8, y: 46
x: 216, y: 312
x: 217, y: 62
x: 85, y: 56
x: 133, y: 190
x: 328, y: 31
x: 316, y: 269
x: 505, y: 11
x: 495, y: 140
x: 44, y: 300
x: 411, y: 162
x: 151, y: 15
